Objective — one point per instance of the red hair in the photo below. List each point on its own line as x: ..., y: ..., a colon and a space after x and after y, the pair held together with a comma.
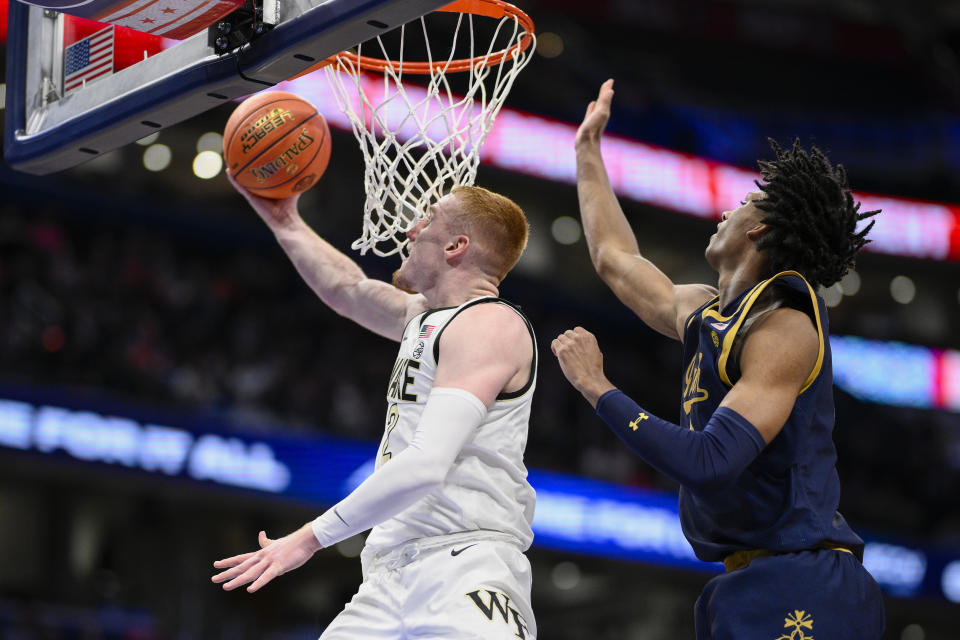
x: 499, y: 225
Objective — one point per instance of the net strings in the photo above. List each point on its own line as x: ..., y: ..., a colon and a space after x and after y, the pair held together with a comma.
x: 416, y: 149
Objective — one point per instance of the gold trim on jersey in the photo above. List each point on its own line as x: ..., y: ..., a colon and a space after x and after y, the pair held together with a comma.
x: 741, y: 559
x: 700, y: 311
x: 743, y: 310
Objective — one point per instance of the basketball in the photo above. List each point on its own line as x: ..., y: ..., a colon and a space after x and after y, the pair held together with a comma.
x: 276, y: 144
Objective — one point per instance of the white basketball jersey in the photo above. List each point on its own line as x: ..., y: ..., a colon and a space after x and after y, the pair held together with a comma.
x: 486, y: 488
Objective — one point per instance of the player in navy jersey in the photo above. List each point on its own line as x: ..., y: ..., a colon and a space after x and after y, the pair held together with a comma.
x: 753, y: 453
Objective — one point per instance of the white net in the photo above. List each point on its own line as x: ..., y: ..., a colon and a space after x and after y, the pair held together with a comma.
x: 418, y: 142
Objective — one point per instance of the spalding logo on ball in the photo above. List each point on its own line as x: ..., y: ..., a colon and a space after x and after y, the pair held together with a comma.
x: 276, y: 144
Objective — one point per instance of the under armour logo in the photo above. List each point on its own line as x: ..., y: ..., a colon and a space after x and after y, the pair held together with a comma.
x: 635, y: 424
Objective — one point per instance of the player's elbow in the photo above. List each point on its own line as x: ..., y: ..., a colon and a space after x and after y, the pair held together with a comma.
x: 602, y: 255
x: 713, y: 471
x: 710, y: 480
x: 708, y: 469
x: 722, y: 452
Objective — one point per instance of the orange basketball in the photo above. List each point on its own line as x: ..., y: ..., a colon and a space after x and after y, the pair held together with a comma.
x: 276, y: 144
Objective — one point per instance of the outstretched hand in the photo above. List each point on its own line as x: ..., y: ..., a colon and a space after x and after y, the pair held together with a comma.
x: 276, y: 213
x: 582, y: 363
x: 598, y: 113
x: 274, y: 558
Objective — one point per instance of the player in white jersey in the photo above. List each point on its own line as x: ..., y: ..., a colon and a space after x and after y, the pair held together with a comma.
x: 449, y: 502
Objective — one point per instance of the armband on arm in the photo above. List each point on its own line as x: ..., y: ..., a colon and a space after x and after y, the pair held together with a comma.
x: 698, y: 460
x: 449, y: 419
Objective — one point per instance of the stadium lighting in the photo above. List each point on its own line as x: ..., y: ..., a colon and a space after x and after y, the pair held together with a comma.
x: 565, y: 230
x: 549, y: 44
x: 850, y: 283
x: 157, y: 157
x: 210, y: 141
x: 207, y: 164
x: 565, y: 575
x: 902, y: 289
x: 833, y: 294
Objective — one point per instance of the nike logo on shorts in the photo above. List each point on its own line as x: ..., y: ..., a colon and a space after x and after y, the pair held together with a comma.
x: 456, y: 552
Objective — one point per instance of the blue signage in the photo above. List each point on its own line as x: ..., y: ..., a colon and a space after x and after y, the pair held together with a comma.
x: 573, y: 514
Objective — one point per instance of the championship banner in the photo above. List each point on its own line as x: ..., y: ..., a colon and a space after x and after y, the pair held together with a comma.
x: 177, y: 19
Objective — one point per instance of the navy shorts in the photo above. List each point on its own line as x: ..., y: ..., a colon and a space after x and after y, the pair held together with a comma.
x: 821, y: 594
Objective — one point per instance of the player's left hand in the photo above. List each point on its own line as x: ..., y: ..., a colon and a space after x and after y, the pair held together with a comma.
x: 582, y: 363
x: 274, y: 558
x: 596, y: 117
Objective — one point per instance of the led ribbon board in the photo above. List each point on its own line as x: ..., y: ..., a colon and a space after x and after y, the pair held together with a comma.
x: 573, y: 514
x: 527, y: 143
x: 895, y: 373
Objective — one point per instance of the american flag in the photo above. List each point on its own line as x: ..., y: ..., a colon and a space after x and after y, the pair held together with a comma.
x: 88, y: 59
x: 426, y: 330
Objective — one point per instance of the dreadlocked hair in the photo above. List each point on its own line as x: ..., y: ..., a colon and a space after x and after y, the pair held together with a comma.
x: 811, y: 214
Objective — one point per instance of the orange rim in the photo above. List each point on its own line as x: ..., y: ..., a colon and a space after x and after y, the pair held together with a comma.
x: 496, y: 9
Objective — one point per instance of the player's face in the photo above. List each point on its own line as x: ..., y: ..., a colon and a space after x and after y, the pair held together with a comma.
x: 426, y: 242
x: 731, y: 239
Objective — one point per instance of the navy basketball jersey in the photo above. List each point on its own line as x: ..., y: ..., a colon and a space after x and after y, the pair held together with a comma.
x: 786, y: 500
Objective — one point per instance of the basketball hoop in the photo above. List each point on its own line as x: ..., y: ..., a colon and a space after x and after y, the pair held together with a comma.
x: 418, y: 142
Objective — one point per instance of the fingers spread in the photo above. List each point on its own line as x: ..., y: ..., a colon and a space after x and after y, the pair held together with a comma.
x: 251, y: 560
x: 272, y: 572
x: 232, y: 562
x: 247, y: 576
x: 224, y: 576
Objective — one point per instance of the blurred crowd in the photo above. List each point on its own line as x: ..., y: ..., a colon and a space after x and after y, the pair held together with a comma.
x: 141, y: 299
x: 197, y: 323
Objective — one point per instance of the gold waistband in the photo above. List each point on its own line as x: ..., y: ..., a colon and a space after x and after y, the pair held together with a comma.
x: 740, y: 559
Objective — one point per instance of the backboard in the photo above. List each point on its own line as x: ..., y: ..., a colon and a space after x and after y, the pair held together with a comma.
x: 48, y: 130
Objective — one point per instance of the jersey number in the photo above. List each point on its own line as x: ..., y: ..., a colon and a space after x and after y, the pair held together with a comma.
x: 393, y: 415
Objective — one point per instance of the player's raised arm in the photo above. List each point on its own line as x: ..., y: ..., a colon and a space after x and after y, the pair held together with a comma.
x: 636, y: 281
x: 339, y: 282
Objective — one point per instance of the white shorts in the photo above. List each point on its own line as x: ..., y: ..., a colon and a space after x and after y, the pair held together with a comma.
x: 467, y: 586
